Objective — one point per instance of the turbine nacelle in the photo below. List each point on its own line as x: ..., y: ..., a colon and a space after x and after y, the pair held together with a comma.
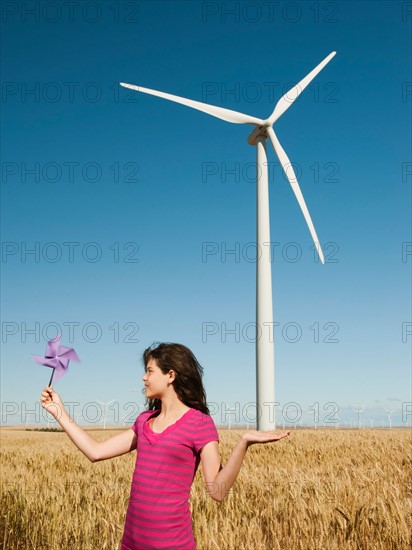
x: 258, y: 131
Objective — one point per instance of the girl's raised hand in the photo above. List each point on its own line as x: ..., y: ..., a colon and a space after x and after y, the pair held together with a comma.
x: 51, y: 401
x: 255, y: 436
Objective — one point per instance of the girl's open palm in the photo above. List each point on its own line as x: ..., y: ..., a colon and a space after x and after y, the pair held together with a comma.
x: 255, y: 436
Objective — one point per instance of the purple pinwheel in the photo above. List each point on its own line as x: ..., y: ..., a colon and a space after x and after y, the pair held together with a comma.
x: 57, y: 357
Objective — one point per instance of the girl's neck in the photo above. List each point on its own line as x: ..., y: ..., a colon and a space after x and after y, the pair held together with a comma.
x: 172, y: 407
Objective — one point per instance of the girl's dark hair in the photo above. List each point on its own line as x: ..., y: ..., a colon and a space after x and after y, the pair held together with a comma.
x: 188, y: 382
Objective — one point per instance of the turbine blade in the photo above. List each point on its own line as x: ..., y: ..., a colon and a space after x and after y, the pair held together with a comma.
x: 290, y: 174
x: 286, y: 101
x: 218, y: 112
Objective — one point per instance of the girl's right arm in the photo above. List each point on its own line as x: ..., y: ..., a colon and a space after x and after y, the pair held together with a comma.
x: 94, y: 450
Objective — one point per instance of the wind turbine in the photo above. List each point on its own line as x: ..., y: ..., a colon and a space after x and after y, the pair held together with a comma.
x: 105, y: 405
x: 359, y: 412
x: 230, y: 412
x: 265, y: 360
x: 390, y: 411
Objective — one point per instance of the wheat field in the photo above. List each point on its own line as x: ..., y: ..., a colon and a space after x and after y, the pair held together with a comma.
x: 317, y: 490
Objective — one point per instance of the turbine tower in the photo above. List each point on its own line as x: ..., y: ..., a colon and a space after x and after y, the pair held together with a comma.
x: 265, y: 359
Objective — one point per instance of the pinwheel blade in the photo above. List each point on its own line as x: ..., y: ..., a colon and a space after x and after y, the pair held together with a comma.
x: 286, y: 101
x: 68, y: 354
x: 58, y: 373
x: 53, y: 346
x: 218, y: 112
x: 52, y: 362
x: 290, y: 174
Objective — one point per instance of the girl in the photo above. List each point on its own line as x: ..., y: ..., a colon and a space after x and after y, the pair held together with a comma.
x: 172, y: 437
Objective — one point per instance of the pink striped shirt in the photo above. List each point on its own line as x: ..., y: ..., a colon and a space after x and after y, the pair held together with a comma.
x: 158, y: 515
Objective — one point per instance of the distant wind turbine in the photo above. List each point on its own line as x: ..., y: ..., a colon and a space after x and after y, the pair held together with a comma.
x: 265, y: 361
x: 105, y: 405
x: 230, y: 411
x: 359, y: 412
x: 390, y: 411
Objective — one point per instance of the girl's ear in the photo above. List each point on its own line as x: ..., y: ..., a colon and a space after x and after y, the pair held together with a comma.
x: 172, y: 376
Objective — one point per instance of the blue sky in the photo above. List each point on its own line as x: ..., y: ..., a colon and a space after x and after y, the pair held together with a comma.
x: 127, y: 219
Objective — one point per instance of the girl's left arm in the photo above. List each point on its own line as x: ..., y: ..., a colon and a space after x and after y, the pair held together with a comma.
x: 219, y: 479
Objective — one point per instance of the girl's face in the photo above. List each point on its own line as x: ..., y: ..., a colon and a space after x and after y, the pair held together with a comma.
x: 155, y: 381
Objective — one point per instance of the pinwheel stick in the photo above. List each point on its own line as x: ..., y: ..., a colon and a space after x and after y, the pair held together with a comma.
x: 51, y: 377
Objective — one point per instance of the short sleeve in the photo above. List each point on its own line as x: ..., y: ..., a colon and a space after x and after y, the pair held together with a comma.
x: 139, y: 420
x: 205, y: 431
x: 134, y: 427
